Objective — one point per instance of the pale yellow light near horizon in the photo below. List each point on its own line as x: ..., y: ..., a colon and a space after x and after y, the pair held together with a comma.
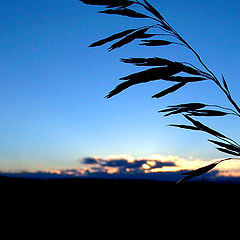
x: 227, y: 168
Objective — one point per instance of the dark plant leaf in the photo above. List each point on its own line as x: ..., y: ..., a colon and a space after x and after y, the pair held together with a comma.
x: 123, y: 4
x: 230, y: 147
x: 147, y: 61
x: 125, y: 12
x: 111, y: 38
x: 168, y: 109
x: 109, y: 3
x: 153, y: 74
x: 193, y: 109
x: 162, y: 62
x: 146, y: 35
x: 119, y: 88
x: 190, y: 105
x: 143, y: 77
x: 169, y: 90
x: 154, y: 11
x: 181, y: 110
x: 190, y: 70
x: 228, y: 151
x: 184, y: 126
x: 208, y: 113
x: 184, y: 79
x: 199, y: 171
x: 204, y: 128
x: 165, y: 26
x: 225, y: 83
x: 155, y: 43
x: 129, y: 38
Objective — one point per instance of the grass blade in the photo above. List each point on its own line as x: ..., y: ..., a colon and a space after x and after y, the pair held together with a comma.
x: 112, y: 38
x: 146, y: 76
x: 184, y: 126
x: 120, y: 3
x: 152, y: 74
x: 109, y: 3
x: 124, y: 12
x: 169, y: 90
x: 153, y: 10
x: 204, y: 128
x: 181, y: 110
x: 208, y: 113
x: 231, y: 147
x: 155, y: 43
x: 228, y: 151
x: 190, y: 70
x: 168, y: 109
x: 190, y: 105
x: 148, y: 61
x: 119, y: 88
x: 129, y: 38
x: 199, y: 171
x: 146, y: 35
x: 225, y: 84
x: 185, y: 79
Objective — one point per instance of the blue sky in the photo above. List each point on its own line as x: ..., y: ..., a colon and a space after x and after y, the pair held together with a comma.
x: 53, y: 110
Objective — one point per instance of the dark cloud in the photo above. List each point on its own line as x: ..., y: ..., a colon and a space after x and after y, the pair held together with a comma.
x: 124, y: 165
x: 89, y: 160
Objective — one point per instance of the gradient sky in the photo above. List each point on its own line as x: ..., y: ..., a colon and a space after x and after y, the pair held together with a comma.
x: 53, y: 110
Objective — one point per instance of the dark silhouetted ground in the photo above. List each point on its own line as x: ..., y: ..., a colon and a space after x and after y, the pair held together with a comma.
x: 120, y: 191
x: 124, y: 205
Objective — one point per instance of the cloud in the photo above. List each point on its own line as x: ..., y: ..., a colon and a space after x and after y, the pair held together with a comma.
x: 153, y: 163
x: 89, y: 160
x: 156, y: 166
x: 120, y: 164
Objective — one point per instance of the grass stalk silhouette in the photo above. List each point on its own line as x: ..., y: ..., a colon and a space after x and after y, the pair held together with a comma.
x: 168, y: 70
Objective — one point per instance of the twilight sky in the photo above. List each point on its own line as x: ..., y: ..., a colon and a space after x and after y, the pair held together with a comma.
x: 53, y: 110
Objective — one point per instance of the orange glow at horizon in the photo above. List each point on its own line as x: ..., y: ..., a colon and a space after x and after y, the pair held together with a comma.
x: 150, y: 164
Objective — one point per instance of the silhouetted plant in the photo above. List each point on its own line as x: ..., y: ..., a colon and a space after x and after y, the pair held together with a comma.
x: 167, y: 70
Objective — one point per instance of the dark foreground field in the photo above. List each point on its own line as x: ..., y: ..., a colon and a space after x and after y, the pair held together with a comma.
x: 125, y: 206
x: 117, y: 191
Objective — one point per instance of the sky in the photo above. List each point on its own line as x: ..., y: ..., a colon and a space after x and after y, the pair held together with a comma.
x: 53, y: 110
